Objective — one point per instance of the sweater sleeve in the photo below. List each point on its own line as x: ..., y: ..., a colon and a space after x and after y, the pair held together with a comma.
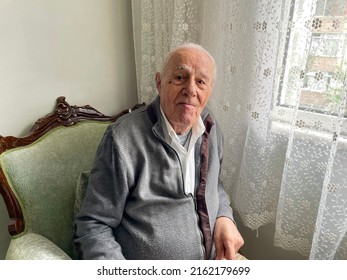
x: 225, y: 209
x: 103, y: 206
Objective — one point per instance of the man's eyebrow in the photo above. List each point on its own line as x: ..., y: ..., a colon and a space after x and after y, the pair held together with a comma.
x: 202, y: 73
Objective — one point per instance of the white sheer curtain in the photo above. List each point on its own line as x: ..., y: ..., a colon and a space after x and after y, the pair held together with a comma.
x: 285, y: 154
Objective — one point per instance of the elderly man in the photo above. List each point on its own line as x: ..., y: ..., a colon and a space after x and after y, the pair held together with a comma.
x: 154, y: 191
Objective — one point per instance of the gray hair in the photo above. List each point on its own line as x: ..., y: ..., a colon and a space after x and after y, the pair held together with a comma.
x: 189, y: 46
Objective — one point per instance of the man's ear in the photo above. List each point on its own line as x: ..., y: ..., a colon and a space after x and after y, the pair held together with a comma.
x: 158, y: 81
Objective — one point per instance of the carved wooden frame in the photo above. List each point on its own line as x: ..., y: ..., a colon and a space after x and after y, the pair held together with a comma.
x: 64, y: 114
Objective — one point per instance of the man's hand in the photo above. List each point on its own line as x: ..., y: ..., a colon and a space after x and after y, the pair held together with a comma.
x: 227, y: 239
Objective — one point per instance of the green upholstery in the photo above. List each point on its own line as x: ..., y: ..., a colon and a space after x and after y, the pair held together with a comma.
x: 34, y: 246
x: 43, y: 176
x: 81, y: 189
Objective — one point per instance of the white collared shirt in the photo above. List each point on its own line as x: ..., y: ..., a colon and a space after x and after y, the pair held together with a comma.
x: 186, y: 156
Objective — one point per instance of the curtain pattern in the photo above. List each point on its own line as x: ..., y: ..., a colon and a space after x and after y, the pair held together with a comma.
x: 285, y: 162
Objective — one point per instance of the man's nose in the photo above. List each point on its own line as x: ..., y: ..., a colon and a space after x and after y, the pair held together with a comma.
x: 190, y: 88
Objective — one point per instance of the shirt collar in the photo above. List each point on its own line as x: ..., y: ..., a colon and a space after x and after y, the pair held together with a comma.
x: 198, y: 129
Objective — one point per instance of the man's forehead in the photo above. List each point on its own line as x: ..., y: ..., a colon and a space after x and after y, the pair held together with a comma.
x: 190, y: 57
x: 188, y: 68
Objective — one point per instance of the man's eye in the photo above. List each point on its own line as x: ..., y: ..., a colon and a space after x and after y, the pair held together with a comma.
x: 202, y: 82
x: 179, y: 77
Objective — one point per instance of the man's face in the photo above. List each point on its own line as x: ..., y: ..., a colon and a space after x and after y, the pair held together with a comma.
x: 185, y: 87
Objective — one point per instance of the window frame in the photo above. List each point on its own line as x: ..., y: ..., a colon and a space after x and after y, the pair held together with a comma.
x: 312, y: 119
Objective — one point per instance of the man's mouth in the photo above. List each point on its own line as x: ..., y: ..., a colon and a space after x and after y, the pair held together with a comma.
x: 187, y: 104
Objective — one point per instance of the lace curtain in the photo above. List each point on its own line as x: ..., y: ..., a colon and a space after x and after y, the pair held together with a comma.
x: 280, y: 100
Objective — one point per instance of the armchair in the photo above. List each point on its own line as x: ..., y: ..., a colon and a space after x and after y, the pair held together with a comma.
x: 38, y: 178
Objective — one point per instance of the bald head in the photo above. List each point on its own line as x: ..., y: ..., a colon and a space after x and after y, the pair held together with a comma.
x: 189, y: 46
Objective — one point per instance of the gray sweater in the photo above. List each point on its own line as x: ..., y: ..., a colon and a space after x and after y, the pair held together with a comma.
x: 135, y: 206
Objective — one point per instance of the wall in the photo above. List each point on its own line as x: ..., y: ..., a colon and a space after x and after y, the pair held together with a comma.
x: 81, y: 49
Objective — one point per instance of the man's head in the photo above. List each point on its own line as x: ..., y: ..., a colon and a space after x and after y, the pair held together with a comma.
x: 185, y: 85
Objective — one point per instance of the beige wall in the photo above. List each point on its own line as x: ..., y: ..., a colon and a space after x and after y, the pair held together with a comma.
x: 82, y: 49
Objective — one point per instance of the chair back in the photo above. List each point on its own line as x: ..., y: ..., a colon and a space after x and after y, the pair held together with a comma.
x: 39, y: 173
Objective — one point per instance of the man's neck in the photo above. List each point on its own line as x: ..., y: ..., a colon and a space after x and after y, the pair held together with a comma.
x: 181, y: 129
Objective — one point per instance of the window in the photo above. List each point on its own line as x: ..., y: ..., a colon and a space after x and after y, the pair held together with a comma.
x: 326, y: 45
x: 316, y: 82
x: 323, y: 69
x: 331, y: 8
